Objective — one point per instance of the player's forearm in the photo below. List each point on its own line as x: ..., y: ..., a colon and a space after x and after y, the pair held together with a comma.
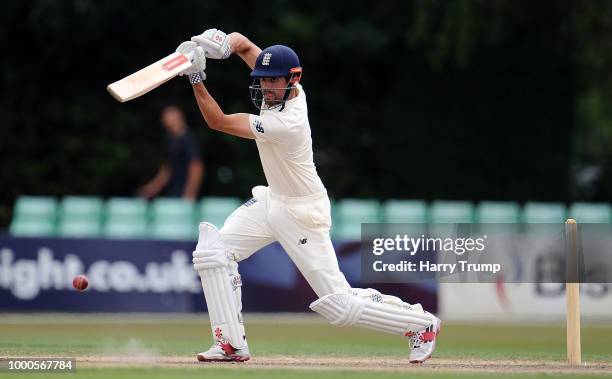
x: 236, y: 124
x: 246, y: 49
x: 212, y: 113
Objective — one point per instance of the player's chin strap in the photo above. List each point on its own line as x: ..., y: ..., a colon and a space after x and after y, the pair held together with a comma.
x: 294, y: 79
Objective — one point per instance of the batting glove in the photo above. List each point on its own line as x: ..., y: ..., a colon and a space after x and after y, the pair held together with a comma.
x: 198, y: 60
x: 215, y: 43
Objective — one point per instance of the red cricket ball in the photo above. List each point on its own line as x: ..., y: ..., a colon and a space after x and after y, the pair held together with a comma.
x: 80, y: 282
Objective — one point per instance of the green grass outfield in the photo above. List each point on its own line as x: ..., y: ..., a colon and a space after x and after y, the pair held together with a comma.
x: 308, y: 346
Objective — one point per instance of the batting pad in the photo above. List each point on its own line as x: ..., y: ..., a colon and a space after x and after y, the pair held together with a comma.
x: 344, y: 309
x: 222, y: 286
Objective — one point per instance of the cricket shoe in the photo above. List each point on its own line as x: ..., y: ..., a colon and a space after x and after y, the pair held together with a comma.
x: 423, y: 342
x: 222, y: 351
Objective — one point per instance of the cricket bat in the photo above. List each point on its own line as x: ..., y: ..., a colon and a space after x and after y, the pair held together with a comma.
x: 150, y: 77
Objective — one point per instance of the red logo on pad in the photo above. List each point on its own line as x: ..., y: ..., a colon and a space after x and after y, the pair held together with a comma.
x: 174, y: 62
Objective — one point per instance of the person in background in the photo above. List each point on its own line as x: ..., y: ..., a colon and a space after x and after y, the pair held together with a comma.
x: 181, y: 173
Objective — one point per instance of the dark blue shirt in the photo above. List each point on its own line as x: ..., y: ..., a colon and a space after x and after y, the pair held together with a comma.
x: 181, y: 151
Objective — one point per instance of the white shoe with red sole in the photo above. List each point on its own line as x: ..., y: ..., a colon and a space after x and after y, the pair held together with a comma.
x: 224, y: 352
x: 423, y: 342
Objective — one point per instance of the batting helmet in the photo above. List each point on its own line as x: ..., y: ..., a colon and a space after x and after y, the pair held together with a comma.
x: 275, y: 61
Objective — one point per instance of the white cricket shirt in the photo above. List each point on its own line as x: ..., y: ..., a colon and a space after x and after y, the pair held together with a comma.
x: 285, y: 148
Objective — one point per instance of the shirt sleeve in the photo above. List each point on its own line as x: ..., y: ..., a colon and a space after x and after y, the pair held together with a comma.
x: 270, y: 129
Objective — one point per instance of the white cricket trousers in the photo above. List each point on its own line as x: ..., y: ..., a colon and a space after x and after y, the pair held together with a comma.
x: 300, y: 224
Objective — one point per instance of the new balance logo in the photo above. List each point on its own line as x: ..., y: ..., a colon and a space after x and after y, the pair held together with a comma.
x: 266, y: 59
x: 258, y: 126
x: 250, y: 202
x: 302, y: 241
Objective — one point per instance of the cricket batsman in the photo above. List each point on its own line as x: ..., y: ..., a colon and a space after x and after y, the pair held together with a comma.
x: 293, y: 209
